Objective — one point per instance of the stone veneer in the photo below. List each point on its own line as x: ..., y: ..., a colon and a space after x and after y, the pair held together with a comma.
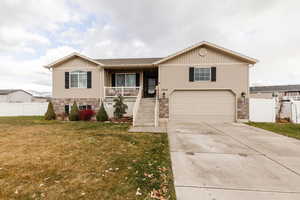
x: 59, y: 103
x: 243, y: 108
x: 164, y: 108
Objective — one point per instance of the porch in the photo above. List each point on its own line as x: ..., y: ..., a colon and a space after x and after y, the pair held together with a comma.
x: 139, y: 88
x: 130, y: 82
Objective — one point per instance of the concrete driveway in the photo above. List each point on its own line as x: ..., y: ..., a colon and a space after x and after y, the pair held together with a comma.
x: 233, y: 161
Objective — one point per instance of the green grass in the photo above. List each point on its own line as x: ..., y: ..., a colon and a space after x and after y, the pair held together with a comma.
x: 286, y: 129
x: 81, y: 160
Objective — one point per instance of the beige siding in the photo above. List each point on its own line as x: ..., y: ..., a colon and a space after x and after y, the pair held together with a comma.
x: 213, y: 56
x: 231, y: 73
x: 197, y: 106
x: 58, y: 77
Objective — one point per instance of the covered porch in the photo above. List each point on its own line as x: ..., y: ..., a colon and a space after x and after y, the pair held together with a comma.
x: 130, y: 83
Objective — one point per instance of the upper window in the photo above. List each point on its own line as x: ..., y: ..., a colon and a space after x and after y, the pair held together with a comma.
x: 202, y: 74
x: 125, y: 80
x: 78, y: 79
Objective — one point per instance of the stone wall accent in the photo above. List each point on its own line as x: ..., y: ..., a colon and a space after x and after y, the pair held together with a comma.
x: 163, y: 108
x: 59, y: 103
x: 243, y: 108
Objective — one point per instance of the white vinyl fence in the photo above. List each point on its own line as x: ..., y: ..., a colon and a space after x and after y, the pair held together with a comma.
x: 262, y: 110
x: 23, y: 109
x: 295, y: 111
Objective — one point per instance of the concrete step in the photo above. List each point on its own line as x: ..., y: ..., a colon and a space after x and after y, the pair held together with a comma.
x: 145, y: 116
x: 145, y: 124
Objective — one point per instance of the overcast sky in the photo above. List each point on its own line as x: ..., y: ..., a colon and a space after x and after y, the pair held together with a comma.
x: 34, y: 33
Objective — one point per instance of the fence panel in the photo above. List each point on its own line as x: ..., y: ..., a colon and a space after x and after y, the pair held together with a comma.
x: 23, y: 109
x: 262, y: 110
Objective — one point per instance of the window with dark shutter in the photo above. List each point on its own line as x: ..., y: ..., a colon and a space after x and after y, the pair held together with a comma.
x: 137, y: 80
x: 213, y: 74
x: 89, y: 107
x: 89, y: 79
x: 67, y: 80
x: 67, y: 107
x: 113, y: 80
x: 191, y: 74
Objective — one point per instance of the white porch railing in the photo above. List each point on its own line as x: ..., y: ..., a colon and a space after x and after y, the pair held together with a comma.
x: 156, y: 109
x: 136, y: 106
x: 123, y: 91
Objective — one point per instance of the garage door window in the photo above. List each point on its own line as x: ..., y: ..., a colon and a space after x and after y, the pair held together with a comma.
x: 202, y: 74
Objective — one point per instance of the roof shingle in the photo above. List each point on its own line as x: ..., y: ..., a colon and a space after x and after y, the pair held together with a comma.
x: 275, y: 88
x: 128, y: 61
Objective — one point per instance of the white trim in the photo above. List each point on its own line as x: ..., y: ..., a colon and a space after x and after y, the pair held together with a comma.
x: 241, y: 56
x: 71, y: 56
x: 77, y: 71
x: 203, y: 68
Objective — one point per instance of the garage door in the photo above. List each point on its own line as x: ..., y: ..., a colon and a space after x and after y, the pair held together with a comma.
x: 197, y: 106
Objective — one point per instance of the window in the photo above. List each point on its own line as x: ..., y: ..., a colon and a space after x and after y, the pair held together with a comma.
x: 85, y: 107
x: 125, y: 80
x: 67, y: 109
x: 78, y: 79
x: 202, y: 74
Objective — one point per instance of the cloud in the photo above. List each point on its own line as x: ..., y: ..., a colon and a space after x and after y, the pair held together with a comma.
x: 30, y: 74
x: 34, y: 33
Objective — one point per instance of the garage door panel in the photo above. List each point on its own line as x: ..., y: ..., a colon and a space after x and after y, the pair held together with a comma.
x: 218, y: 106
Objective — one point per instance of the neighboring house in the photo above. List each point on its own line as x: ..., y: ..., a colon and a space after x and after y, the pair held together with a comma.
x: 280, y: 91
x: 204, y: 82
x: 15, y: 96
x: 39, y: 99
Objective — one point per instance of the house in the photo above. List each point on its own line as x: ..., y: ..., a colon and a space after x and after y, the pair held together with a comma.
x: 204, y: 82
x: 280, y: 91
x: 15, y: 96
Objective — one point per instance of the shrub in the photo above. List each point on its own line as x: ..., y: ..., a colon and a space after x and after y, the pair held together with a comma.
x: 102, y: 114
x: 86, y: 115
x: 74, y: 114
x: 50, y: 114
x: 120, y: 107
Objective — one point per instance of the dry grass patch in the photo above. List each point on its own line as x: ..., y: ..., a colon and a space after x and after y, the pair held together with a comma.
x: 81, y: 160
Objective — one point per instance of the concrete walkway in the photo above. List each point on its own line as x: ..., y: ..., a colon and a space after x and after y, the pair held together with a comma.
x: 233, y: 161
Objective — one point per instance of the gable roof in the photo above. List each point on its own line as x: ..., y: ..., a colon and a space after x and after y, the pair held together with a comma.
x: 214, y: 46
x: 275, y: 88
x: 128, y: 61
x: 151, y: 61
x: 9, y: 91
x: 75, y: 54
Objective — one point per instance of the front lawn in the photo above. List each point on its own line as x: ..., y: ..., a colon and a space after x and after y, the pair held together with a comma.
x: 287, y: 129
x: 81, y: 160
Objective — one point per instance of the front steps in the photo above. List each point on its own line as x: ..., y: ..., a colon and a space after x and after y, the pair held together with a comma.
x: 145, y: 115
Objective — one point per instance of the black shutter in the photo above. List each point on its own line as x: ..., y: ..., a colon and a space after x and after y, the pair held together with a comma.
x: 191, y: 74
x: 137, y: 80
x: 113, y: 80
x: 213, y: 74
x: 67, y: 80
x: 89, y: 79
x: 89, y: 107
x: 67, y: 109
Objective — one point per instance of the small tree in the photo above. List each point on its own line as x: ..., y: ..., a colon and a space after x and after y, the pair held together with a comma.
x: 102, y: 114
x: 120, y: 107
x: 50, y: 114
x: 74, y: 114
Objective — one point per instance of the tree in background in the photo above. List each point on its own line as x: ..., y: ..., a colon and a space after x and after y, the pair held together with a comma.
x: 50, y: 114
x: 120, y: 107
x: 102, y: 114
x: 74, y: 114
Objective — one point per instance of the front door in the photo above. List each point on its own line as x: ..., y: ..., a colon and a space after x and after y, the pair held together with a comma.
x: 150, y: 82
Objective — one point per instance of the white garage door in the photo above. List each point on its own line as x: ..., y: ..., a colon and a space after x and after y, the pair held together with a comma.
x: 197, y: 106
